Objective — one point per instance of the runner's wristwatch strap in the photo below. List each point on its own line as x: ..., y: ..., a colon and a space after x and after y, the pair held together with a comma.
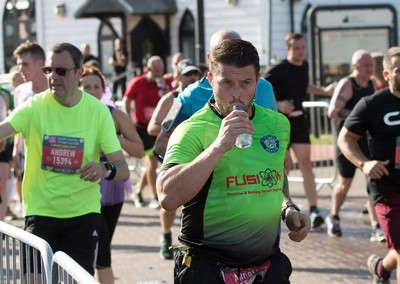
x: 286, y: 206
x: 111, y: 171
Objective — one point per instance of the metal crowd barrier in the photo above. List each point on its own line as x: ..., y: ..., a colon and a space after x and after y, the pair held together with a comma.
x: 22, y: 251
x: 323, y: 147
x: 67, y: 271
x: 18, y: 247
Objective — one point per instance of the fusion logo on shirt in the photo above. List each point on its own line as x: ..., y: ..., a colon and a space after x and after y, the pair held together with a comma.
x: 267, y: 178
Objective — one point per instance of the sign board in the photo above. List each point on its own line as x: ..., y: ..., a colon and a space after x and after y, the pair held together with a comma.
x: 336, y: 32
x: 338, y: 46
x: 354, y: 18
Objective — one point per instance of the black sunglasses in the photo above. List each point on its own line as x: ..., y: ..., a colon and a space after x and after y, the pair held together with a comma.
x: 59, y: 71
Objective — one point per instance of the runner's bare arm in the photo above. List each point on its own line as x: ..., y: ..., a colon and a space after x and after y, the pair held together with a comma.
x: 285, y: 188
x: 298, y: 223
x: 342, y: 94
x: 6, y: 130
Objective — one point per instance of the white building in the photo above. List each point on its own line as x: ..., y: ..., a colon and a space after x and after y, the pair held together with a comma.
x: 334, y: 28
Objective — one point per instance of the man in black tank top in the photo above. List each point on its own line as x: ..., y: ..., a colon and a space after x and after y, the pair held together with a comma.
x: 347, y: 93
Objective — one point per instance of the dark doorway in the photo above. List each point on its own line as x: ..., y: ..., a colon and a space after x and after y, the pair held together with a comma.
x: 147, y: 39
x: 187, y: 35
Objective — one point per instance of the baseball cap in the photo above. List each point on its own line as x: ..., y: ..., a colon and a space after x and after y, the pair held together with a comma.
x: 185, y: 66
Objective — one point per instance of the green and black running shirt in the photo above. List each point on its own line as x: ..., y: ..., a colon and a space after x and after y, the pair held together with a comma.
x: 235, y: 218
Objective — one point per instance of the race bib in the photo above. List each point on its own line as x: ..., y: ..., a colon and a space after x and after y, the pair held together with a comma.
x: 231, y: 275
x: 62, y: 154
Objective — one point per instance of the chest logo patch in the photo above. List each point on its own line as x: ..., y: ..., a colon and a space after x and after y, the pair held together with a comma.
x: 270, y: 143
x: 392, y: 118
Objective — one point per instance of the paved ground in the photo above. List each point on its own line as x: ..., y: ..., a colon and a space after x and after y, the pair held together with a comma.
x: 318, y: 259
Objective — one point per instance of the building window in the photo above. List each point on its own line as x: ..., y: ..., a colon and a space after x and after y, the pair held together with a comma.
x: 186, y: 35
x: 19, y: 25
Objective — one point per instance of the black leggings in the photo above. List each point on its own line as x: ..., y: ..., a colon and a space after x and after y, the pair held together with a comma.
x: 109, y: 220
x: 120, y: 82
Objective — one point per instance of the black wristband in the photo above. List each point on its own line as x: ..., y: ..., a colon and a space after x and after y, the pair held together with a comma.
x: 158, y: 156
x: 111, y: 167
x: 286, y: 206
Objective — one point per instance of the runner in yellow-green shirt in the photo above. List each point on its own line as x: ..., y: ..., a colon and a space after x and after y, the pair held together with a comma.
x: 64, y: 130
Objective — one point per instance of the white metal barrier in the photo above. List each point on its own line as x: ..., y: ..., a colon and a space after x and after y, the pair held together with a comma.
x: 67, y: 271
x: 323, y: 147
x: 23, y: 252
x: 18, y: 248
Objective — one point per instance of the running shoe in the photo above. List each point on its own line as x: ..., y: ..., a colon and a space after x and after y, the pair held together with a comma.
x: 138, y: 200
x: 154, y: 204
x: 316, y: 220
x: 165, y: 251
x: 372, y: 263
x: 377, y: 235
x: 333, y: 227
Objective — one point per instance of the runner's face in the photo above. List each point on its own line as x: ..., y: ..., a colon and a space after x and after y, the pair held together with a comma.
x: 393, y: 76
x: 28, y: 66
x: 66, y: 85
x: 365, y: 67
x: 233, y: 85
x: 297, y: 52
x: 92, y: 85
x: 189, y: 78
x: 157, y: 69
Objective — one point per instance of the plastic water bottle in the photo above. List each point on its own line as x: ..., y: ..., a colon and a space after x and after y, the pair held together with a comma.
x: 243, y: 140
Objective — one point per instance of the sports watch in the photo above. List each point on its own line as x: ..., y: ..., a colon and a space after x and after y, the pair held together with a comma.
x: 286, y: 206
x: 111, y: 171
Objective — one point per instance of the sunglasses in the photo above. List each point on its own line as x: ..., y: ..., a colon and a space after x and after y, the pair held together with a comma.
x: 59, y: 71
